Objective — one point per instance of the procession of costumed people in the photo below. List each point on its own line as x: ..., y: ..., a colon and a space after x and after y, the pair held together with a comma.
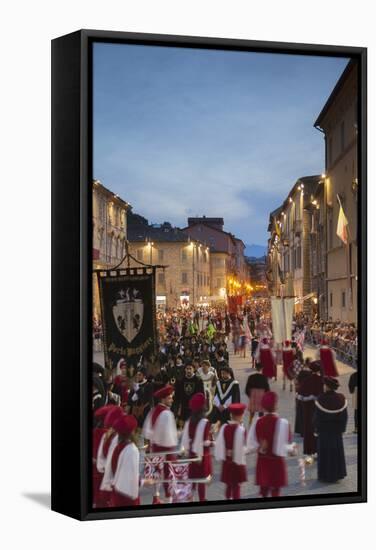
x: 163, y: 422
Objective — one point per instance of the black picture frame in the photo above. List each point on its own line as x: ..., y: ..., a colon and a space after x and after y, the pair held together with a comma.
x: 72, y: 265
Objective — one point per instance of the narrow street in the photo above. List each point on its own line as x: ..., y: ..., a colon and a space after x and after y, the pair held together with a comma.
x: 242, y: 368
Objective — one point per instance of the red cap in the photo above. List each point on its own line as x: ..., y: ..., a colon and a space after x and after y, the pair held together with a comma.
x: 237, y: 408
x: 102, y: 411
x: 197, y: 402
x: 111, y: 416
x: 164, y: 392
x: 324, y: 342
x: 125, y: 424
x: 287, y: 343
x: 269, y: 401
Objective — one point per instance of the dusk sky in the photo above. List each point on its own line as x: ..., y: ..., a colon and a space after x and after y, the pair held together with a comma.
x: 186, y: 132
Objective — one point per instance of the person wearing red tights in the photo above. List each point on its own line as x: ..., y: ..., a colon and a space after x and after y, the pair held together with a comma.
x: 196, y: 440
x: 273, y: 437
x: 160, y: 430
x: 230, y: 450
x: 125, y: 464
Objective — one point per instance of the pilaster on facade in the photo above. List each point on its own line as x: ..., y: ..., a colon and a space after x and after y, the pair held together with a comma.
x: 338, y: 121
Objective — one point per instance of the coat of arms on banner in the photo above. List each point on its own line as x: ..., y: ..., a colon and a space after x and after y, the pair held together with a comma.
x: 128, y: 313
x: 180, y: 487
x: 154, y: 467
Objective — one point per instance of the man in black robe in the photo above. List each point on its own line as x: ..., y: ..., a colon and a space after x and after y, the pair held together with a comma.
x: 330, y: 420
x: 309, y: 390
x: 185, y: 389
x: 140, y: 398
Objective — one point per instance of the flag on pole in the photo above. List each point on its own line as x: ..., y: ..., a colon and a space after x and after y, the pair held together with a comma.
x: 342, y: 224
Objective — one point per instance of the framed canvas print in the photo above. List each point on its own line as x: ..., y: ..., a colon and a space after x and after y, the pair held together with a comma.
x: 209, y: 274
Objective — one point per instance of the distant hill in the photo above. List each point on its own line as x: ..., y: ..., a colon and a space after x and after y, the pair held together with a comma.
x: 254, y: 250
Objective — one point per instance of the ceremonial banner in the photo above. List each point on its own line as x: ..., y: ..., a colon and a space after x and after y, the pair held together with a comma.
x: 278, y: 319
x: 282, y: 315
x: 128, y: 316
x: 153, y: 468
x: 180, y: 488
x: 288, y: 307
x: 151, y: 269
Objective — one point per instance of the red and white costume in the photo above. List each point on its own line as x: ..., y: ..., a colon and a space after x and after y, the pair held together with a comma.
x: 106, y: 447
x: 98, y: 433
x: 230, y: 450
x: 108, y: 474
x: 287, y: 359
x: 197, y: 440
x: 160, y: 429
x: 328, y: 361
x: 266, y: 357
x: 125, y: 464
x: 272, y: 437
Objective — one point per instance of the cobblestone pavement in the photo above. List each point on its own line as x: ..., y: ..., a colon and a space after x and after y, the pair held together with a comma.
x: 312, y: 486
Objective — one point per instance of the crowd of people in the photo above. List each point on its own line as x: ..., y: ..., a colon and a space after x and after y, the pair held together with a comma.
x: 182, y: 407
x: 342, y: 338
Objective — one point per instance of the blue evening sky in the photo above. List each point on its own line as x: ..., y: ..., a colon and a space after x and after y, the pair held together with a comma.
x: 186, y: 132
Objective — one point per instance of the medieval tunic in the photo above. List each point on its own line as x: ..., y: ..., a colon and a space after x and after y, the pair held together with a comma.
x: 299, y: 421
x: 209, y: 380
x: 196, y: 439
x: 96, y: 475
x: 226, y: 393
x: 230, y: 450
x: 185, y: 389
x: 287, y: 360
x: 272, y: 435
x: 104, y: 464
x: 140, y: 400
x: 309, y: 390
x: 266, y: 357
x: 121, y: 387
x: 330, y: 420
x: 160, y: 429
x: 257, y: 385
x: 125, y: 465
x: 328, y: 362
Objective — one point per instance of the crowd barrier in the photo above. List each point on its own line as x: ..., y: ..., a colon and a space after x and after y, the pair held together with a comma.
x: 346, y: 351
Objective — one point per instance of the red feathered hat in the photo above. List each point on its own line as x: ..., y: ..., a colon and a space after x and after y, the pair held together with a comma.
x: 269, y: 401
x: 197, y: 402
x: 125, y: 424
x: 164, y: 392
x: 237, y: 409
x: 111, y: 416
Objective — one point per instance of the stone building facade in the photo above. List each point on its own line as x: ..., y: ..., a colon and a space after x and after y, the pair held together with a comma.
x: 186, y: 278
x: 338, y: 121
x: 109, y: 233
x: 306, y: 257
x: 289, y: 254
x: 227, y: 254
